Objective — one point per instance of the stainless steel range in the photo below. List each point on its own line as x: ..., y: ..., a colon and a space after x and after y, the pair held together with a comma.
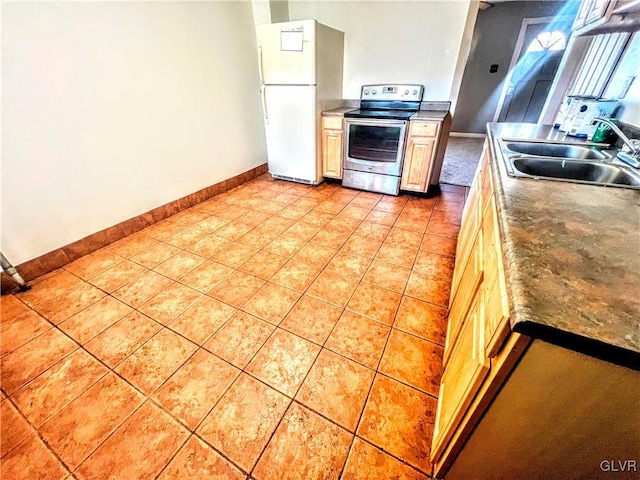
x: 376, y: 134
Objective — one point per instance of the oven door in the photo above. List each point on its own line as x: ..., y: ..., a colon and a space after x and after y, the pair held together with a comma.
x: 375, y: 146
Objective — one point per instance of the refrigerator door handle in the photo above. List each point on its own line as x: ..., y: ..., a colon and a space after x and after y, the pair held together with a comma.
x: 260, y: 64
x: 264, y: 103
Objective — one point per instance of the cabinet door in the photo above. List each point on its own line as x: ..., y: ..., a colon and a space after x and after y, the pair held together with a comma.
x: 469, y: 282
x: 332, y: 153
x: 496, y: 307
x: 486, y: 185
x: 417, y: 164
x: 462, y: 378
x: 471, y: 218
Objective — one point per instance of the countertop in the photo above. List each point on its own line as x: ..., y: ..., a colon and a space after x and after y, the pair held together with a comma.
x: 338, y: 111
x: 571, y: 256
x: 438, y: 115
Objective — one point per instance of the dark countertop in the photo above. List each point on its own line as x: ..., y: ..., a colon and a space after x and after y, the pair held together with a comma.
x: 571, y: 256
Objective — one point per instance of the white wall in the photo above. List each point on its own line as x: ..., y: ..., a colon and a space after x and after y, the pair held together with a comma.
x: 112, y: 109
x: 394, y: 42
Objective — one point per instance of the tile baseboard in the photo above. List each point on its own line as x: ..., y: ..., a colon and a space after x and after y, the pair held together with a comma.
x: 58, y: 258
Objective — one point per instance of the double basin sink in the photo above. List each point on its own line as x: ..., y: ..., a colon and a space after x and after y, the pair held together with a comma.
x: 570, y: 163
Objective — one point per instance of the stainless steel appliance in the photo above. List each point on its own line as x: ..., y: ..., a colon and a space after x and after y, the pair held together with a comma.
x: 376, y: 134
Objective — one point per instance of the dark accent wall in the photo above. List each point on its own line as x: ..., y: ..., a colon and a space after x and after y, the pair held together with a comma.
x: 494, y: 38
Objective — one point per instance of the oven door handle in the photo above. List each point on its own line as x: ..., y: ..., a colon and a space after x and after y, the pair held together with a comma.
x: 375, y: 122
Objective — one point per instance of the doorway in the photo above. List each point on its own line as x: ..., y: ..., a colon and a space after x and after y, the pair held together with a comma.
x: 534, y: 63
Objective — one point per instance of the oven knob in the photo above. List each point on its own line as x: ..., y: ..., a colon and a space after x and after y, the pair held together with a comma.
x: 374, y: 91
x: 415, y: 92
x: 366, y: 92
x: 406, y: 92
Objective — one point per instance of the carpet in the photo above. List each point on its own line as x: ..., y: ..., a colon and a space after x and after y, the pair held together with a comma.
x: 460, y: 160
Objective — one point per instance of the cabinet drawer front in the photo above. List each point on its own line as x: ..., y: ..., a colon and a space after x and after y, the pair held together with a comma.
x: 462, y: 378
x: 423, y: 129
x: 470, y: 280
x: 332, y: 122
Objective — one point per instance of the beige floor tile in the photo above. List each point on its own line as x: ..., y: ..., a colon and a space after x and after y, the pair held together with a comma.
x: 283, y: 361
x: 337, y: 388
x: 413, y: 361
x: 140, y: 448
x: 179, y: 265
x: 296, y: 275
x: 399, y: 420
x: 155, y: 361
x: 242, y: 423
x: 374, y: 302
x: 33, y: 358
x: 305, y: 445
x: 237, y: 288
x: 202, y: 319
x: 367, y: 462
x: 312, y: 319
x: 86, y: 422
x: 170, y: 303
x: 206, y: 276
x: 271, y: 303
x: 195, y: 387
x: 333, y: 288
x: 359, y: 339
x: 201, y: 462
x: 239, y: 339
x: 50, y: 392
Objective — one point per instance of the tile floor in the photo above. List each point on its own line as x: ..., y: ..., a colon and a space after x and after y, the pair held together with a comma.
x: 276, y: 331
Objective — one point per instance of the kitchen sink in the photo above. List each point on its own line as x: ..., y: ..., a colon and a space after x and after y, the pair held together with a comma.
x: 582, y: 171
x: 556, y: 150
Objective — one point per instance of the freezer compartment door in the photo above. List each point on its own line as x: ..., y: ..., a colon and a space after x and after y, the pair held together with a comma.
x: 291, y: 124
x: 286, y: 52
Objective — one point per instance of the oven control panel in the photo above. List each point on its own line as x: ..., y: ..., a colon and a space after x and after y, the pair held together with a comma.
x: 408, y: 93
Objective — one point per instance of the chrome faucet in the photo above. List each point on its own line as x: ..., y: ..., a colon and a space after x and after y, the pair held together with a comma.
x: 633, y: 157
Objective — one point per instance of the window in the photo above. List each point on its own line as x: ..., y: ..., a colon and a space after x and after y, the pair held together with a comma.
x: 598, y: 64
x: 548, y: 41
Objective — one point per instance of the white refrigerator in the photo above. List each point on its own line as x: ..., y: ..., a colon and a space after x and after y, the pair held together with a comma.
x: 300, y: 67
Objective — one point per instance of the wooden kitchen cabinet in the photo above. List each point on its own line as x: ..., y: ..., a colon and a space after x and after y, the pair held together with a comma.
x: 511, y: 406
x: 332, y: 146
x: 480, y: 349
x: 420, y: 155
x: 462, y: 377
x: 417, y: 164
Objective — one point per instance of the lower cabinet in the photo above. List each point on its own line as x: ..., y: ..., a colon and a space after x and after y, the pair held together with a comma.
x: 515, y: 407
x: 332, y: 146
x: 480, y: 349
x: 418, y: 162
x: 420, y: 155
x: 424, y: 150
x: 463, y: 376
